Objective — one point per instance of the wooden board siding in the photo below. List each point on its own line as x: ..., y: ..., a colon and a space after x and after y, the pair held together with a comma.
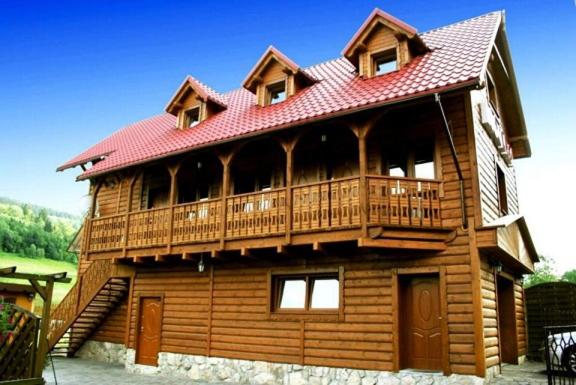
x: 520, y: 317
x: 239, y: 324
x: 490, y: 316
x: 487, y: 155
x: 114, y: 327
x: 184, y: 324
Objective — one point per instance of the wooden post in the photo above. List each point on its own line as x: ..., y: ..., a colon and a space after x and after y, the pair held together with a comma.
x: 225, y: 159
x: 93, y: 202
x: 44, y: 326
x: 173, y: 170
x: 128, y: 210
x: 288, y: 147
x: 361, y: 131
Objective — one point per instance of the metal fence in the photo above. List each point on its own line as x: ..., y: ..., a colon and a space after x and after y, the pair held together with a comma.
x: 560, y: 354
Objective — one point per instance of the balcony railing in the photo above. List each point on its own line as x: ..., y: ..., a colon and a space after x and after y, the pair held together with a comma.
x: 326, y: 205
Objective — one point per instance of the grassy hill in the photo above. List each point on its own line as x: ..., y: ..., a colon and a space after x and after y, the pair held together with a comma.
x: 40, y: 266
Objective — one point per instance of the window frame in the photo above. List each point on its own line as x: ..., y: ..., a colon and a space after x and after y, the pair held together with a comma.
x: 502, y: 190
x: 273, y: 87
x: 307, y: 313
x: 384, y: 54
x: 186, y: 118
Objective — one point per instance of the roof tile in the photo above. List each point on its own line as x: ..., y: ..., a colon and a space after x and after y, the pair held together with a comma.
x: 458, y: 53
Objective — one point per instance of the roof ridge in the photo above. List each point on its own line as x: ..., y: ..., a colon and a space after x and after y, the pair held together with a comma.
x: 499, y: 12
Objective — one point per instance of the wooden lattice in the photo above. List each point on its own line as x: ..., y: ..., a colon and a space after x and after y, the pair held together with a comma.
x: 18, y: 348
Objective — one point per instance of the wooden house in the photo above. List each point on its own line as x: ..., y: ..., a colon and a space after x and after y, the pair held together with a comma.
x: 18, y: 294
x: 359, y: 215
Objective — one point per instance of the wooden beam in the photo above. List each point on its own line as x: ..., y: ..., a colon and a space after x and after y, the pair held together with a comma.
x: 159, y: 258
x: 215, y: 254
x: 318, y: 247
x: 138, y: 259
x: 245, y: 252
x: 186, y: 256
x: 56, y: 277
x: 39, y: 289
x: 281, y: 249
x: 44, y: 327
x: 401, y: 244
x: 8, y: 270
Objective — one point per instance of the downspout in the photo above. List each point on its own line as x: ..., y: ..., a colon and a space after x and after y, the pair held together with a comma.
x: 455, y: 159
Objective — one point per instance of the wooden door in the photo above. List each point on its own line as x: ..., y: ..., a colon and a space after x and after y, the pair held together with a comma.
x: 507, y: 321
x: 420, y: 326
x: 149, y: 328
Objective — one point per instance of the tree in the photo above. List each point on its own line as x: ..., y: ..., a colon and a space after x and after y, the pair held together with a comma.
x: 544, y: 272
x: 569, y: 276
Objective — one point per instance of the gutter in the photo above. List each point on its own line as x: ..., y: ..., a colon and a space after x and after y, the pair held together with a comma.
x: 455, y: 159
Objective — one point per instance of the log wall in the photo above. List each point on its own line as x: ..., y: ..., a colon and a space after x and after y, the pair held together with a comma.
x: 487, y: 158
x: 113, y: 329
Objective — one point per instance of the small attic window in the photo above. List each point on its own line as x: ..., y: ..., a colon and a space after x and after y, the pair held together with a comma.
x: 384, y: 62
x: 192, y: 117
x: 276, y: 93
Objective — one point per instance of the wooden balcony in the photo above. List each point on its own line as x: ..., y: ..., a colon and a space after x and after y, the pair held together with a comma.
x: 328, y: 211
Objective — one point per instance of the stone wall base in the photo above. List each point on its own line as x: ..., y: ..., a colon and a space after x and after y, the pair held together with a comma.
x: 218, y: 370
x: 103, y: 352
x: 492, y: 372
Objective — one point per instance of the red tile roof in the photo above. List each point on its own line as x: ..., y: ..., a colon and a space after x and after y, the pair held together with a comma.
x: 458, y: 57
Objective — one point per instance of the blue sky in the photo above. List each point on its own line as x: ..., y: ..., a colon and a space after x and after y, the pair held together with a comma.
x: 73, y: 72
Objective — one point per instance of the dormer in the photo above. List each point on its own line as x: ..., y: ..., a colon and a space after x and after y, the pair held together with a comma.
x: 193, y: 103
x: 276, y: 78
x: 383, y: 44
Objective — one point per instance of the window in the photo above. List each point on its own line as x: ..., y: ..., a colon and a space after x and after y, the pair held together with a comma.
x: 306, y: 293
x: 276, y: 92
x: 384, y: 62
x: 502, y: 197
x: 414, y: 160
x: 192, y: 117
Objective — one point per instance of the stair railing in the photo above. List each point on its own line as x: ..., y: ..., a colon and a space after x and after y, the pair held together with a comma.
x: 82, y: 293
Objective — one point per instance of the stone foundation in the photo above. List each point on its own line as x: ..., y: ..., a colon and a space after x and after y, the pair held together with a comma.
x: 103, y: 352
x: 218, y: 370
x: 492, y: 372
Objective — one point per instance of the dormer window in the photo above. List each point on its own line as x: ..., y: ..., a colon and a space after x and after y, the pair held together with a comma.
x: 383, y: 44
x: 276, y: 78
x: 384, y: 62
x: 192, y: 117
x: 193, y: 103
x: 276, y: 93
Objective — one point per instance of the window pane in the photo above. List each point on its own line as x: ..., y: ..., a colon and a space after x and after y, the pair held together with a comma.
x: 384, y: 66
x: 425, y: 170
x: 277, y: 96
x: 293, y: 293
x: 325, y: 293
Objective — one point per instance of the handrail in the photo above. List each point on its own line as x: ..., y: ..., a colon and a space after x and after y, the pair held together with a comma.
x: 343, y: 179
x: 78, y: 298
x: 321, y: 205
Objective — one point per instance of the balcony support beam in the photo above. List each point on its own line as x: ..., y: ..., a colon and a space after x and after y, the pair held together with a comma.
x: 362, y: 130
x: 288, y: 145
x: 173, y: 170
x: 225, y: 159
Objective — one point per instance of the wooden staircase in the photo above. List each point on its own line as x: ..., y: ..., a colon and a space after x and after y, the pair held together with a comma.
x: 97, y: 292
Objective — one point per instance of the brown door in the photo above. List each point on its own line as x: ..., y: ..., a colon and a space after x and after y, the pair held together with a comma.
x: 507, y: 321
x: 420, y: 323
x: 149, y: 331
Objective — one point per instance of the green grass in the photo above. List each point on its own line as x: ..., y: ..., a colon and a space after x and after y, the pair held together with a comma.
x: 40, y: 266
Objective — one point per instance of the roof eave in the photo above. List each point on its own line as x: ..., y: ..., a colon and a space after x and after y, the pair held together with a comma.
x: 450, y: 88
